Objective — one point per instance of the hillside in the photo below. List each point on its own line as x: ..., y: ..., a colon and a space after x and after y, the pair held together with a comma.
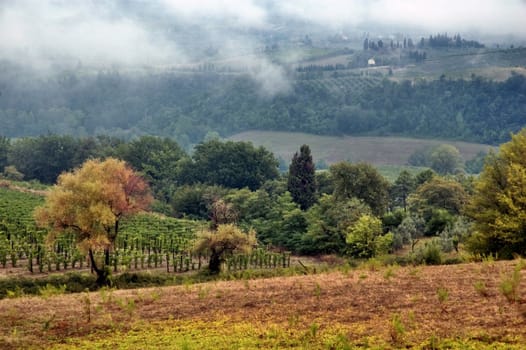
x: 457, y: 306
x: 491, y: 63
x: 140, y: 235
x: 460, y: 95
x: 375, y: 150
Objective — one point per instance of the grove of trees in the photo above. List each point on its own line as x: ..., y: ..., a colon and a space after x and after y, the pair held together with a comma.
x: 352, y: 209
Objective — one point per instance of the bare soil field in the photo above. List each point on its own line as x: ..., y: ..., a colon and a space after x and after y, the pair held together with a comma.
x: 332, y: 149
x: 400, y: 306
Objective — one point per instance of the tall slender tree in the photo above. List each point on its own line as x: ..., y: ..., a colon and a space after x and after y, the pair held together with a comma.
x: 302, y: 178
x: 403, y: 186
x: 4, y: 150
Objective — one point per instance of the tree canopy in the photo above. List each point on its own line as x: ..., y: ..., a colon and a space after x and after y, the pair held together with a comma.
x: 446, y: 159
x: 439, y: 193
x: 498, y: 206
x: 329, y: 221
x: 230, y: 164
x: 438, y: 201
x: 361, y: 181
x: 45, y: 157
x: 157, y: 159
x: 365, y: 239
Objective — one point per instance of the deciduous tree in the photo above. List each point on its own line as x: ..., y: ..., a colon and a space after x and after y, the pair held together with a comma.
x: 437, y: 201
x: 89, y: 204
x: 157, y: 158
x: 43, y: 158
x: 365, y: 239
x: 362, y: 181
x: 439, y: 193
x: 228, y: 239
x: 329, y: 221
x: 411, y: 230
x: 230, y: 164
x: 446, y: 159
x: 424, y: 176
x: 498, y: 206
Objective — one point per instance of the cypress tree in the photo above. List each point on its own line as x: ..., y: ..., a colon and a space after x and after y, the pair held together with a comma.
x: 302, y: 180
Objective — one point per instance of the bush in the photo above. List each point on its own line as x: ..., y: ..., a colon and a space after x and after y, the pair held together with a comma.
x: 398, y: 240
x: 429, y: 254
x: 438, y: 221
x: 365, y: 238
x: 453, y: 261
x: 384, y: 243
x: 11, y: 173
x: 432, y: 254
x: 74, y: 282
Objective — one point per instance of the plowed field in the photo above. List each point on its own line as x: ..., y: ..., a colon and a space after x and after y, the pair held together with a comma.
x: 391, y: 307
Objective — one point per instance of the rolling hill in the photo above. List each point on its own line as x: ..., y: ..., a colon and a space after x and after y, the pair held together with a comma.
x: 378, y: 151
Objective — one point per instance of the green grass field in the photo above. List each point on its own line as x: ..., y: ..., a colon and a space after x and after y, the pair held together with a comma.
x: 379, y: 151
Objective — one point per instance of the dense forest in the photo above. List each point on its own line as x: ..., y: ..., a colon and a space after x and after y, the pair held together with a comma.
x: 187, y: 106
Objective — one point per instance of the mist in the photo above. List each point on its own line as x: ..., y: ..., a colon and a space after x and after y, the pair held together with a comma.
x: 171, y: 33
x: 489, y: 17
x: 39, y: 32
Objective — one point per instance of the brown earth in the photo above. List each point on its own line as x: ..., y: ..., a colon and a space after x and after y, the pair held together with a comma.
x: 370, y: 149
x: 437, y: 301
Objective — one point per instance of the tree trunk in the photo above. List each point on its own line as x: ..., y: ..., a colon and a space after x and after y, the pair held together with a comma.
x: 107, y: 257
x: 215, y: 263
x: 102, y: 273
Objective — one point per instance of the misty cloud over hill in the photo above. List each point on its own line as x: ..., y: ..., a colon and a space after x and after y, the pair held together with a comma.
x: 175, y: 32
x: 202, y: 55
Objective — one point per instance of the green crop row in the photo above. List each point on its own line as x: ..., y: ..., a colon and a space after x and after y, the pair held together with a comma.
x: 145, y: 241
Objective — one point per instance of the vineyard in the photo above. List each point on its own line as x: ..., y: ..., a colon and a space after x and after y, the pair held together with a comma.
x: 350, y: 84
x: 145, y: 241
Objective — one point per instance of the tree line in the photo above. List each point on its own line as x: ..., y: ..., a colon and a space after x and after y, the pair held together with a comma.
x: 437, y: 41
x: 349, y: 210
x: 188, y: 107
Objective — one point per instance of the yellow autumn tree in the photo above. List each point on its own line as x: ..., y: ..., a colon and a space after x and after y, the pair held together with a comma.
x: 226, y: 240
x: 498, y: 206
x: 90, y: 202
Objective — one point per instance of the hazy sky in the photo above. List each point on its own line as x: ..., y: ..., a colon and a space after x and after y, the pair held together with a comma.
x: 138, y: 31
x: 484, y: 16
